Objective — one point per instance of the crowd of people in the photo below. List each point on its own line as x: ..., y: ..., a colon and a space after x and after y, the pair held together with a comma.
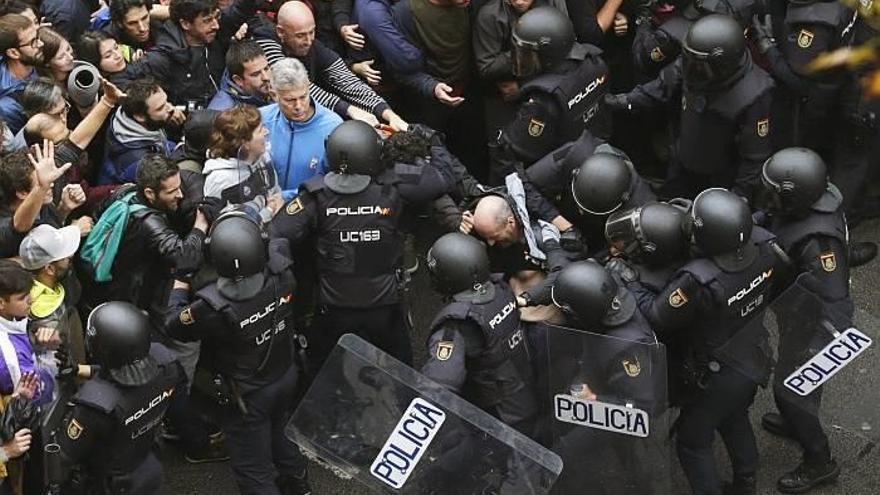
x: 223, y: 188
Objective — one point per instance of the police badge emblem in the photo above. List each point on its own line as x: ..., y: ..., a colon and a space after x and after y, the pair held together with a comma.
x: 294, y: 207
x: 186, y: 317
x: 829, y: 261
x: 657, y: 54
x: 677, y: 299
x: 444, y: 350
x: 763, y: 127
x: 536, y: 128
x: 632, y: 367
x: 74, y: 429
x: 805, y: 38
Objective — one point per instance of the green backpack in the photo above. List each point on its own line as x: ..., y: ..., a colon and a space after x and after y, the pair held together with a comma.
x: 100, y: 248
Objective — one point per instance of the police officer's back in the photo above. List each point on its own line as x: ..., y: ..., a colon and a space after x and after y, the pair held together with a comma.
x: 477, y: 345
x: 561, y: 86
x: 110, y: 430
x: 716, y: 300
x: 805, y: 213
x: 355, y: 212
x: 244, y: 320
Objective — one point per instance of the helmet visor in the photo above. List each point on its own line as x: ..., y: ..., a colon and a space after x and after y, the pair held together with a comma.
x: 623, y: 233
x: 526, y: 61
x: 698, y: 70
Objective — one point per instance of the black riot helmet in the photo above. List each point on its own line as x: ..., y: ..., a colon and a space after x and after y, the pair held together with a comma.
x: 458, y: 263
x: 589, y: 293
x: 118, y: 338
x: 542, y: 38
x: 354, y: 148
x: 714, y: 52
x: 237, y: 249
x: 720, y: 222
x: 651, y: 233
x: 601, y: 184
x: 795, y: 178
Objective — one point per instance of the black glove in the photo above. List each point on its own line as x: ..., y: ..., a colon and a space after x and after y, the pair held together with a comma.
x: 67, y: 367
x: 763, y: 31
x: 211, y: 207
x: 623, y: 269
x: 618, y: 102
x: 572, y: 240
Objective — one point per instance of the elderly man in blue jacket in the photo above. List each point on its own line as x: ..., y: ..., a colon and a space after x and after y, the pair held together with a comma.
x: 297, y: 126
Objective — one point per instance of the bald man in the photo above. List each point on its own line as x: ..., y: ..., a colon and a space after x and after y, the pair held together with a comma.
x: 519, y: 247
x: 334, y: 85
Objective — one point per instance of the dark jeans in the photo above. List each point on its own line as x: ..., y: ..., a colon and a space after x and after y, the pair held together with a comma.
x: 724, y: 407
x: 386, y: 327
x: 261, y: 455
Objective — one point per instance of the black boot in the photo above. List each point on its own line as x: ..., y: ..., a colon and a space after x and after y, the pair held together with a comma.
x: 807, y: 476
x: 742, y: 485
x: 861, y: 253
x: 295, y: 485
x: 775, y: 424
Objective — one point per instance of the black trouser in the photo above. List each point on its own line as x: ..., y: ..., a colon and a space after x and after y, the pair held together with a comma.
x: 386, y: 327
x: 801, y: 414
x: 722, y: 406
x: 262, y: 456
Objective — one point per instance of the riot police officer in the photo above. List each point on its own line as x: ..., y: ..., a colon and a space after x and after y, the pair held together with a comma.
x: 354, y: 212
x: 110, y: 429
x: 724, y: 131
x: 614, y: 370
x: 600, y: 184
x: 245, y: 323
x: 716, y: 298
x: 561, y: 87
x: 805, y: 213
x: 477, y: 345
x: 816, y: 109
x: 651, y: 241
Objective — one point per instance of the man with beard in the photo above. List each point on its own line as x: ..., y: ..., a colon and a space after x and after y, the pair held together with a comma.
x: 20, y: 50
x: 246, y: 80
x: 137, y: 129
x: 131, y: 25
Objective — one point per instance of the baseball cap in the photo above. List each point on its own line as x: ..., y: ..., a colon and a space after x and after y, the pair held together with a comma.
x: 45, y: 244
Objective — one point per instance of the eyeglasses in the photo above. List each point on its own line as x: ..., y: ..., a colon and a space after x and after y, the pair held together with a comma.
x: 63, y: 110
x: 33, y: 43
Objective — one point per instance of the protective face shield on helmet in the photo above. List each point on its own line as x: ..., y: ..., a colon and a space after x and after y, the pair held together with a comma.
x: 526, y: 59
x: 623, y: 232
x: 699, y: 69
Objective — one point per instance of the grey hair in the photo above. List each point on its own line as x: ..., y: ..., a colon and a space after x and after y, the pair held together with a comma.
x: 289, y: 73
x: 40, y: 95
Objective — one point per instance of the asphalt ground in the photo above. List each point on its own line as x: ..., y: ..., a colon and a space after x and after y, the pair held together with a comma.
x: 851, y: 412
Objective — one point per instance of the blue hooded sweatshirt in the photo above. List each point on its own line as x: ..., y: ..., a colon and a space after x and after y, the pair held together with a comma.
x: 297, y: 148
x: 231, y: 95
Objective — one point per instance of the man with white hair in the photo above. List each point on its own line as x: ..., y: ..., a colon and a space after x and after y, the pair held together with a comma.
x: 298, y: 126
x: 334, y: 85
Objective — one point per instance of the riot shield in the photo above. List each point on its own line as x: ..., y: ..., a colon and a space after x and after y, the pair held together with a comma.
x: 826, y: 355
x: 370, y: 417
x: 609, y: 417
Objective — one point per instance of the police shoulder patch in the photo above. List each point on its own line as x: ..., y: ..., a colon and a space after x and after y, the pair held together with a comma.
x: 678, y: 298
x: 536, y: 127
x: 186, y: 316
x: 805, y: 38
x: 444, y: 350
x: 294, y: 207
x: 632, y: 367
x: 74, y: 429
x: 829, y: 261
x: 763, y: 127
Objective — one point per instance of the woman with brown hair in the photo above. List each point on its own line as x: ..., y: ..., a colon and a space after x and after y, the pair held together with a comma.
x: 239, y: 169
x: 58, y: 57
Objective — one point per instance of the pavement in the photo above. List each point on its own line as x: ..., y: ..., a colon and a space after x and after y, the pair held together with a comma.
x: 851, y: 412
